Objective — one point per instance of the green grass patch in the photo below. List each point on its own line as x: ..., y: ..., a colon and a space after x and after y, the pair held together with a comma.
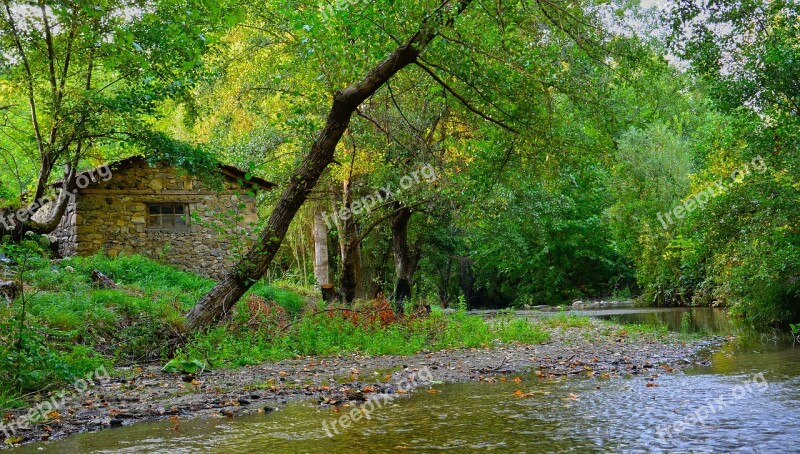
x: 326, y: 334
x: 564, y: 320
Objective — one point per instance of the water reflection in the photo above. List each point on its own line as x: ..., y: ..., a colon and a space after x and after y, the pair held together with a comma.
x: 619, y: 415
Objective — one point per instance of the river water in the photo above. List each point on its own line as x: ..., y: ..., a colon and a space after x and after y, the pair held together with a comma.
x: 746, y: 400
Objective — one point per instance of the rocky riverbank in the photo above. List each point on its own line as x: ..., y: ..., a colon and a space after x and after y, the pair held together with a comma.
x: 596, y: 351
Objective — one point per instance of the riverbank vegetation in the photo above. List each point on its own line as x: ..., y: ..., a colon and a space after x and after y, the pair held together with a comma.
x: 72, y: 327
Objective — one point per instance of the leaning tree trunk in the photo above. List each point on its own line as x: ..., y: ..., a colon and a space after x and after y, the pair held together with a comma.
x: 218, y: 303
x: 405, y: 260
x: 13, y: 225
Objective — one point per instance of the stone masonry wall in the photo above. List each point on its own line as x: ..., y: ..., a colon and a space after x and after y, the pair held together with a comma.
x: 111, y: 216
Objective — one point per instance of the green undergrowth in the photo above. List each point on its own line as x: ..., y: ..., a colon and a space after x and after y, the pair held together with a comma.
x: 565, y: 320
x: 328, y: 334
x: 71, y: 327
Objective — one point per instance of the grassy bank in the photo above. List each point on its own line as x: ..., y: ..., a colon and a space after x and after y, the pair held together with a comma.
x: 71, y: 328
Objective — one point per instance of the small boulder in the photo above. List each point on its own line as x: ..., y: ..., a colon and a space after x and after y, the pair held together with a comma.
x: 102, y: 281
x: 9, y: 290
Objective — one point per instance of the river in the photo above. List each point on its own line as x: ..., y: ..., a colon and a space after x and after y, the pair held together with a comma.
x: 746, y: 398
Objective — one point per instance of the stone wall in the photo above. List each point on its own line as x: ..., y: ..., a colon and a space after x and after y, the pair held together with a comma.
x: 65, y: 233
x: 111, y: 216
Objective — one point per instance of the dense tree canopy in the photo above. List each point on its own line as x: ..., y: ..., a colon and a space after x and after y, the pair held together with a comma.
x: 501, y: 153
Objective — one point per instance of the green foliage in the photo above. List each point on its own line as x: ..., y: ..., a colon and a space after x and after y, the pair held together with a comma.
x: 287, y: 299
x: 742, y: 248
x: 72, y: 327
x: 190, y: 366
x: 194, y: 160
x: 326, y: 334
x: 34, y: 353
x: 686, y: 322
x: 564, y: 320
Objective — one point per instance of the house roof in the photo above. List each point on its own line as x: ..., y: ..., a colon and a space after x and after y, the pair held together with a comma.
x: 224, y: 169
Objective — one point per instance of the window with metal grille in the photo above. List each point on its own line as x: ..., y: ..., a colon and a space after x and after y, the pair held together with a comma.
x: 168, y: 216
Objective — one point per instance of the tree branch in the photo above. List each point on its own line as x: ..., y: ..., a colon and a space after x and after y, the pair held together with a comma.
x: 464, y: 101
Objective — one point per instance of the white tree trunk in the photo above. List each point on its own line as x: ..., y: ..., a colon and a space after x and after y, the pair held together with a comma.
x: 321, y: 267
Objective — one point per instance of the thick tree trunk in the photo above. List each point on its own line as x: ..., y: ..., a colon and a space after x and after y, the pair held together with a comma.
x: 405, y: 260
x: 349, y: 246
x: 466, y: 279
x: 219, y: 301
x: 328, y: 293
x: 321, y: 266
x: 444, y: 282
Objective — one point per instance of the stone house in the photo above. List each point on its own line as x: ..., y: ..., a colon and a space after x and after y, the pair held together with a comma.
x: 163, y: 213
